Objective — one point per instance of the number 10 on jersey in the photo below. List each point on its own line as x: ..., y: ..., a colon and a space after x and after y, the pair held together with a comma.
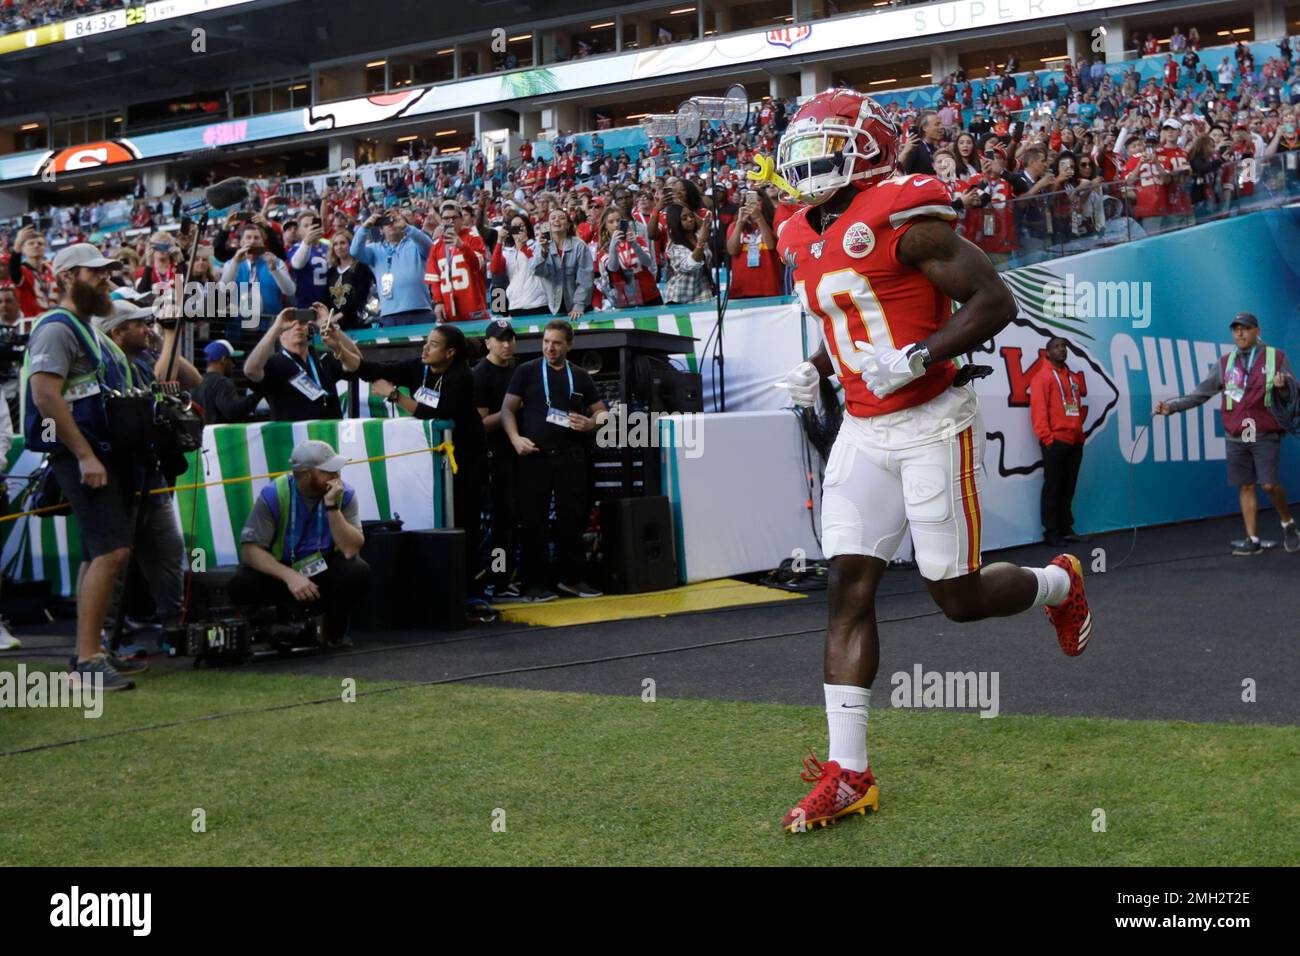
x: 845, y: 302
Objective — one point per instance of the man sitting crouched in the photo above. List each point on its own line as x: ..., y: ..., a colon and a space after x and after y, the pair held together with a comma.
x: 304, y: 534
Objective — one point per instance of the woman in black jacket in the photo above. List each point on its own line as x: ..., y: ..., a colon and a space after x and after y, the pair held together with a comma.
x: 1206, y: 163
x: 348, y: 282
x: 439, y: 384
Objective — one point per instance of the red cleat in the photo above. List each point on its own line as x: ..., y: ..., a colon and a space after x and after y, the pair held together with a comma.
x: 1071, y: 618
x: 837, y: 793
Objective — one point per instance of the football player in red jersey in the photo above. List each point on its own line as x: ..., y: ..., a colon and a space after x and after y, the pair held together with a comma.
x: 877, y: 260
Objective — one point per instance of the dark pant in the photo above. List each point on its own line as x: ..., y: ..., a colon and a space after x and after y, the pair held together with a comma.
x: 503, y: 494
x: 565, y: 473
x: 1060, y: 472
x: 467, y: 492
x: 343, y: 583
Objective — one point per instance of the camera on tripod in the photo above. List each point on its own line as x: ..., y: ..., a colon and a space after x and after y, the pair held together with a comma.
x: 155, y: 421
x: 13, y: 346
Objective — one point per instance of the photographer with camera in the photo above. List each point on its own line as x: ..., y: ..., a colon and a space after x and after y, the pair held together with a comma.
x: 299, y: 382
x: 396, y: 253
x: 262, y: 276
x: 68, y: 375
x: 303, y: 541
x: 159, y: 552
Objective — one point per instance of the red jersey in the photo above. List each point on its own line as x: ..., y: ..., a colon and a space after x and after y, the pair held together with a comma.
x: 1178, y: 191
x: 1054, y: 406
x: 754, y: 272
x: 851, y: 278
x: 459, y: 285
x: 526, y: 151
x: 991, y: 227
x: 627, y: 294
x: 37, y: 291
x: 1150, y: 190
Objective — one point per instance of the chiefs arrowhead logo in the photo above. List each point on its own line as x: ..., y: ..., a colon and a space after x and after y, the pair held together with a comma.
x: 859, y: 241
x: 817, y: 248
x: 1017, y: 354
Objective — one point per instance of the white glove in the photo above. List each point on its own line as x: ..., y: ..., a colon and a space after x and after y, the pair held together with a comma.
x: 801, y: 382
x: 885, y: 371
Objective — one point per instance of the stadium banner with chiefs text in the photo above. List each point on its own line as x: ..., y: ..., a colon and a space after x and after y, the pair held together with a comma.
x: 410, y: 485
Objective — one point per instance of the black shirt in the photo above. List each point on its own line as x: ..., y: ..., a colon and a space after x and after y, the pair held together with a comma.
x: 348, y: 291
x: 490, y: 385
x: 221, y: 401
x: 288, y: 403
x: 455, y: 388
x: 527, y: 384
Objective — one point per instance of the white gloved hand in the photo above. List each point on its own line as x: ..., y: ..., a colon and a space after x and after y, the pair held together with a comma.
x: 885, y: 371
x: 801, y: 382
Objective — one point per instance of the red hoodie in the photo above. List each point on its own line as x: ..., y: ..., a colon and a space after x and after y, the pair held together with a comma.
x: 1048, y: 393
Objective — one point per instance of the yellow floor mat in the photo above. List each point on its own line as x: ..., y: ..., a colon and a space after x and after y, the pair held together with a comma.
x: 702, y: 596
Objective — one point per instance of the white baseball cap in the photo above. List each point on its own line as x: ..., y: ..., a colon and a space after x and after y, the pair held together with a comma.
x: 82, y: 255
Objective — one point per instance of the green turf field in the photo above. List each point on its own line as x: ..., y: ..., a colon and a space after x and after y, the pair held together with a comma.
x: 414, y: 777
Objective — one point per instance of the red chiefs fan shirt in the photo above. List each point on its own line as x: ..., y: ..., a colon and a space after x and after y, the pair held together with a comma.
x: 1150, y: 190
x: 851, y: 278
x: 1178, y: 192
x: 459, y: 285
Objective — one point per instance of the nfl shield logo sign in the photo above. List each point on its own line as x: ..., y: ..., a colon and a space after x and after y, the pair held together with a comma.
x: 817, y: 248
x: 789, y: 36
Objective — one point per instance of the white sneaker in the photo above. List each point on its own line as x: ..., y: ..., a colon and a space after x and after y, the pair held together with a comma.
x: 7, y: 641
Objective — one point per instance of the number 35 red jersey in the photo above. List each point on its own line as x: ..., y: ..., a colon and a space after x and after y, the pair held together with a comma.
x: 852, y: 280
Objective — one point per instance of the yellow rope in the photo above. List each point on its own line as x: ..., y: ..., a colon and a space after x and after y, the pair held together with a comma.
x: 446, y: 448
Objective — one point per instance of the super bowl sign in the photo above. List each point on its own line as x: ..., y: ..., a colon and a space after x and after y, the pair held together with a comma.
x: 789, y: 36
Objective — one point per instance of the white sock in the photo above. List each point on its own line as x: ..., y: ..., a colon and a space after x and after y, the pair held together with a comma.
x: 846, y: 715
x: 1254, y: 537
x: 1287, y: 524
x: 1053, y: 585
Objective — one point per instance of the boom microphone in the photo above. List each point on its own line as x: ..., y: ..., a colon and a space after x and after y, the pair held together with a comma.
x: 222, y: 195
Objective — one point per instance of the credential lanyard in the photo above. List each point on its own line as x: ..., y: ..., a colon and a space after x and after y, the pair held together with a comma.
x: 322, y: 522
x: 1250, y: 363
x: 546, y: 380
x: 311, y: 365
x: 1074, y: 389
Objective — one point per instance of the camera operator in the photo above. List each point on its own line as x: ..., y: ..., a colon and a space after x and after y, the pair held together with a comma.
x: 159, y: 552
x: 256, y: 265
x: 560, y: 410
x: 441, y: 386
x: 299, y: 382
x: 492, y: 377
x: 69, y: 369
x: 303, y: 541
x: 397, y: 256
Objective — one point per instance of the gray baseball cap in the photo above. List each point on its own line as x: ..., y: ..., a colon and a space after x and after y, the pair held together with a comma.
x: 316, y: 454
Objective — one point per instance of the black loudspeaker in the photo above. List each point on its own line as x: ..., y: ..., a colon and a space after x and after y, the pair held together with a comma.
x: 637, y: 545
x: 435, y: 586
x: 384, y: 608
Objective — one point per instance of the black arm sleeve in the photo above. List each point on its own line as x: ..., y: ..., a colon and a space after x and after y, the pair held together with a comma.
x: 408, y: 373
x: 16, y: 267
